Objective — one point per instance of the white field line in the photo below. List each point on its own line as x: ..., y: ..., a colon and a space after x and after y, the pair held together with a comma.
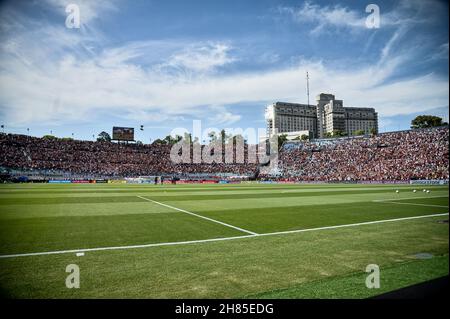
x: 394, y: 199
x: 218, y: 239
x: 352, y: 225
x: 416, y: 204
x: 200, y: 216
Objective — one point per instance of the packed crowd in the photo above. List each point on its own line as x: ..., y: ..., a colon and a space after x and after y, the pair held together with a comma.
x: 416, y: 154
x: 102, y: 158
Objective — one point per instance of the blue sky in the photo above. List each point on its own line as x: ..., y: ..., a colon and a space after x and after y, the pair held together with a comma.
x: 163, y: 64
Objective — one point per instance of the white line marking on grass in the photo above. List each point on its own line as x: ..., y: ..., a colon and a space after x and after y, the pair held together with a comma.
x: 200, y: 216
x: 127, y: 247
x: 218, y: 239
x: 352, y: 225
x: 393, y: 201
x: 407, y: 198
x: 416, y: 204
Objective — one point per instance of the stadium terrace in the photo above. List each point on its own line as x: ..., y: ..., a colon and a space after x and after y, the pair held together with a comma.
x: 395, y: 156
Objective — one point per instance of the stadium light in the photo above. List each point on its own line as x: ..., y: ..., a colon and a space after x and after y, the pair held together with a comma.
x: 142, y: 127
x: 3, y: 128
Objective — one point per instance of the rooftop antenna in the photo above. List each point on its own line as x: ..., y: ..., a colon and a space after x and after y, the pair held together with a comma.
x: 307, y: 85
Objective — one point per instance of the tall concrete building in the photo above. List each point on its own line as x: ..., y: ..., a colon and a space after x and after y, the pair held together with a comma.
x: 291, y: 117
x: 327, y: 116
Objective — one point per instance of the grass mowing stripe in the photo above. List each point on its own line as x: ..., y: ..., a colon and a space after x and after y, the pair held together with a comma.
x: 159, y: 197
x: 185, y: 197
x: 352, y: 225
x: 67, y: 200
x: 226, y: 269
x: 129, y: 188
x: 271, y: 216
x: 219, y: 239
x: 123, y: 247
x: 11, y: 212
x: 393, y: 277
x: 74, y: 232
x: 183, y: 266
x: 273, y: 194
x: 199, y: 216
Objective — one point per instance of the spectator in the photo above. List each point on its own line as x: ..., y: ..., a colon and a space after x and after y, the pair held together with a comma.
x: 415, y: 154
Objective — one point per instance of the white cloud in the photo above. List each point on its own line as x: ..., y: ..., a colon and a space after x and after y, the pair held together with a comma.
x: 73, y: 88
x: 268, y: 58
x: 386, y: 51
x: 221, y: 116
x: 90, y: 10
x: 326, y: 18
x: 441, y: 52
x: 71, y: 80
x: 201, y: 57
x: 335, y: 16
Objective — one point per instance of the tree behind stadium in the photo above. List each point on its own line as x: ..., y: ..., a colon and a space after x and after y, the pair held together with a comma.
x: 424, y: 121
x: 103, y: 137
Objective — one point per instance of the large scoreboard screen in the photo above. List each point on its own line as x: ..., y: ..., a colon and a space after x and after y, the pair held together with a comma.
x: 123, y: 133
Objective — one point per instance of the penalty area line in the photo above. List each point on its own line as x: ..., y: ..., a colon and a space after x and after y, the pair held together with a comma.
x: 199, y: 216
x: 406, y: 198
x: 415, y: 204
x: 219, y: 239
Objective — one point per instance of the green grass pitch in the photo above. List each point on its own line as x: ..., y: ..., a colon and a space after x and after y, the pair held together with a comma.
x: 231, y: 241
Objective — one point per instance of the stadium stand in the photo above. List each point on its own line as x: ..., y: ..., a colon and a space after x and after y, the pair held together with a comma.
x: 101, y: 158
x: 405, y: 155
